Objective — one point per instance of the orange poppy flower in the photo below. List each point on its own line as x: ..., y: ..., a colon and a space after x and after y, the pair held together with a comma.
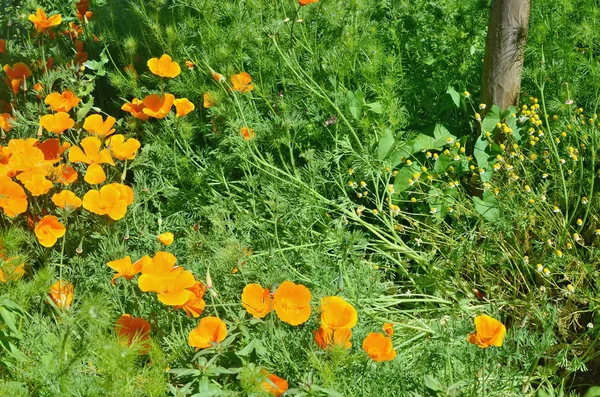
x: 35, y: 183
x: 111, y: 200
x: 16, y: 74
x: 57, y: 123
x: 52, y: 148
x: 195, y: 304
x: 164, y: 67
x: 13, y: 199
x: 61, y: 293
x: 242, y: 82
x: 66, y: 200
x: 183, y: 106
x: 98, y: 127
x: 156, y: 106
x: 218, y: 77
x: 274, y: 385
x: 49, y: 230
x: 2, y: 46
x: 210, y: 330
x: 39, y: 89
x: 388, y: 328
x: 162, y: 263
x: 247, y: 133
x: 132, y: 330
x: 67, y: 175
x: 121, y: 149
x: 82, y: 9
x: 307, y: 2
x: 327, y: 337
x: 336, y: 313
x: 10, y: 272
x: 209, y: 100
x: 62, y: 102
x: 256, y: 300
x: 190, y: 65
x: 379, y: 347
x: 292, y: 303
x: 126, y: 269
x: 93, y: 156
x: 80, y: 56
x: 136, y: 108
x: 489, y: 332
x: 166, y: 238
x: 41, y: 22
x: 5, y: 121
x: 171, y: 288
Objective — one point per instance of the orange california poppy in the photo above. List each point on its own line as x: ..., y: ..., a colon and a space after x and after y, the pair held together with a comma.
x: 209, y: 100
x: 171, y: 288
x: 2, y: 46
x: 489, y: 332
x: 156, y: 106
x: 136, y: 108
x: 190, y: 65
x: 242, y: 82
x: 61, y: 293
x: 195, y: 304
x: 26, y: 157
x: 52, y: 148
x: 292, y: 303
x: 62, y: 102
x: 66, y: 200
x: 274, y: 385
x: 164, y: 67
x: 111, y: 200
x: 379, y: 347
x: 183, y: 106
x: 39, y: 89
x: 163, y: 262
x: 5, y: 121
x: 49, y: 230
x: 256, y: 300
x: 336, y: 313
x: 98, y: 127
x: 13, y: 199
x: 126, y: 192
x: 247, y: 133
x: 82, y: 9
x: 67, y: 174
x: 93, y: 156
x: 218, y: 77
x: 166, y: 238
x: 121, y: 149
x: 126, y: 269
x: 57, y: 122
x: 327, y: 337
x: 41, y: 22
x: 210, y: 330
x: 131, y: 330
x: 16, y: 74
x: 388, y: 328
x: 306, y: 2
x: 35, y: 183
x: 10, y: 271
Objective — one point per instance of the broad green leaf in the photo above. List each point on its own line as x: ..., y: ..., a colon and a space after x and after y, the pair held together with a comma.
x: 593, y: 392
x: 84, y: 110
x: 375, y: 107
x: 488, y: 207
x: 9, y: 319
x: 385, y: 144
x: 404, y: 174
x: 491, y: 119
x: 454, y: 95
x: 480, y: 151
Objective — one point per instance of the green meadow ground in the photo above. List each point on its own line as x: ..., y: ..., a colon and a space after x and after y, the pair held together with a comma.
x: 369, y: 177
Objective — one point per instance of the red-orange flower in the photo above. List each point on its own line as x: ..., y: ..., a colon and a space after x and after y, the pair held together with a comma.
x: 292, y: 303
x: 13, y: 199
x: 379, y: 347
x: 5, y: 121
x: 93, y: 156
x: 209, y: 331
x: 489, y: 332
x: 183, y: 106
x: 66, y: 200
x: 190, y: 65
x: 327, y: 337
x: 16, y: 74
x: 256, y: 300
x: 336, y: 313
x: 242, y: 82
x: 61, y: 293
x: 306, y: 2
x: 52, y: 148
x: 82, y: 9
x: 49, y: 230
x: 195, y: 304
x: 247, y: 133
x: 388, y: 328
x: 57, y: 122
x: 2, y: 46
x: 41, y: 22
x: 62, y: 102
x: 98, y: 127
x: 136, y: 108
x: 111, y: 200
x: 121, y: 149
x: 274, y: 385
x: 132, y: 330
x: 157, y: 106
x: 126, y: 269
x: 164, y: 67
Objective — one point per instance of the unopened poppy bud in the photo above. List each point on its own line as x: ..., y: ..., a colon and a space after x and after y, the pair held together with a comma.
x: 274, y: 288
x: 209, y: 283
x: 126, y: 236
x: 79, y: 248
x: 340, y: 282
